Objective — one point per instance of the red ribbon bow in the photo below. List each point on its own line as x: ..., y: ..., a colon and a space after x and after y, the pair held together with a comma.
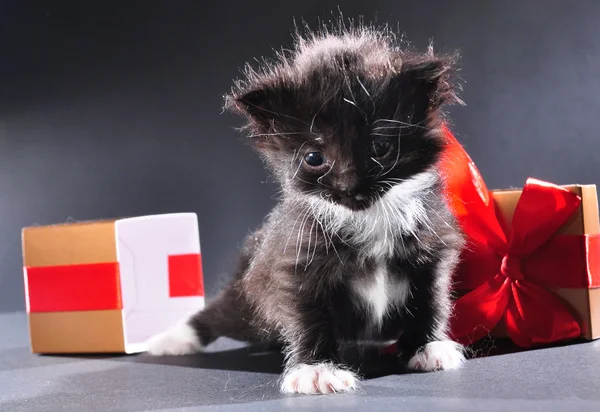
x: 507, y: 271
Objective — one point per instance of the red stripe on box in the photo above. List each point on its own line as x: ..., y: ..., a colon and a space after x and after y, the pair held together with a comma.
x: 185, y: 275
x: 593, y: 260
x: 94, y: 286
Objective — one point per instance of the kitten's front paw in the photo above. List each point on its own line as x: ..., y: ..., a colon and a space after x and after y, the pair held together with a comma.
x: 179, y: 340
x: 318, y: 379
x: 439, y: 355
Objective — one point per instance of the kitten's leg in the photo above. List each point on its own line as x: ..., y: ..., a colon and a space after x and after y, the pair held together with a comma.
x: 312, y: 362
x: 424, y: 343
x: 228, y: 315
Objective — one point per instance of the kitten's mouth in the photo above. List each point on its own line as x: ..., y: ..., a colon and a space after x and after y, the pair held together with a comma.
x: 355, y: 203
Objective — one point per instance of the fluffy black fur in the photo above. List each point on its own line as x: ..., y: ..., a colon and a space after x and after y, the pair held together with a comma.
x: 349, y: 125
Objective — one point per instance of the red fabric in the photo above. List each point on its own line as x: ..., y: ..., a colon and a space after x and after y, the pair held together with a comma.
x: 507, y: 273
x: 73, y: 287
x: 583, y: 253
x: 185, y: 275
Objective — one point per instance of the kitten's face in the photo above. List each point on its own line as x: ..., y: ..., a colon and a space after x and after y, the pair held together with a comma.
x: 347, y: 118
x: 348, y: 157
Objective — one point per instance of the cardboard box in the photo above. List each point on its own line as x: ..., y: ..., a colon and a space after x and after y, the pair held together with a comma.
x: 108, y: 286
x: 583, y: 303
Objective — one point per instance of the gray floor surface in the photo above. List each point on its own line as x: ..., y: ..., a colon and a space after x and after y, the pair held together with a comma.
x: 236, y: 378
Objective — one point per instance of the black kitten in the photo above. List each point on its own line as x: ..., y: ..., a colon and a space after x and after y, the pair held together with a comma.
x: 362, y: 245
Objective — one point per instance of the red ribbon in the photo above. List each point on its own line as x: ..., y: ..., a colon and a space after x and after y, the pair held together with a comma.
x: 185, y: 275
x: 94, y: 286
x: 507, y: 273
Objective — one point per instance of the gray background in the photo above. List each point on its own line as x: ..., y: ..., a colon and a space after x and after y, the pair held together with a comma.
x: 112, y: 109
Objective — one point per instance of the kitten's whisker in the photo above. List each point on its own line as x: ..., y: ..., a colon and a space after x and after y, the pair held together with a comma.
x: 350, y: 102
x: 311, y: 183
x: 412, y: 230
x: 297, y: 153
x: 392, y: 127
x: 368, y: 94
x: 380, y: 165
x: 300, y: 217
x: 297, y: 170
x: 335, y: 250
x: 353, y: 102
x: 312, y: 123
x: 322, y: 228
x: 427, y: 222
x: 384, y: 184
x: 365, y: 235
x: 301, y: 235
x: 309, y: 241
x: 387, y: 221
x: 442, y: 219
x: 294, y: 226
x: 417, y: 125
x: 316, y: 241
x: 279, y: 114
x: 375, y: 222
x: 397, y: 154
x: 275, y: 134
x: 397, y: 216
x: 293, y: 159
x: 383, y: 134
x: 320, y: 178
x: 330, y: 231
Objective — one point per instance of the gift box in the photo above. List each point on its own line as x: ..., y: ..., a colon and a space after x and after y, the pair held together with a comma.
x: 531, y: 267
x: 108, y: 286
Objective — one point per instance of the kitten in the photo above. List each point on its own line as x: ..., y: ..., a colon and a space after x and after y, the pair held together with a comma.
x: 362, y: 245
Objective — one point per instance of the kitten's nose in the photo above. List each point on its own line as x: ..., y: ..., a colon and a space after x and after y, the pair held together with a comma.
x: 347, y: 182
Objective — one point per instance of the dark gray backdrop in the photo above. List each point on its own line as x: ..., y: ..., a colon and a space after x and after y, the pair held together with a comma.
x: 114, y: 109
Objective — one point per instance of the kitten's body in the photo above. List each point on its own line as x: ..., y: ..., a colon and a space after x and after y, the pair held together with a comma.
x: 362, y: 245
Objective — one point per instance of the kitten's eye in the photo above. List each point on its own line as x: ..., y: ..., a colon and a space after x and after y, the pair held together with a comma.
x: 379, y: 148
x: 314, y: 159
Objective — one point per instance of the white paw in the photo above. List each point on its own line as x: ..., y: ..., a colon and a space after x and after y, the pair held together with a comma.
x: 439, y: 355
x: 179, y: 340
x: 316, y: 379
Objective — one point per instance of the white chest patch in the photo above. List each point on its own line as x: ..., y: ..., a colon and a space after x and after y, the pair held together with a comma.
x: 378, y: 293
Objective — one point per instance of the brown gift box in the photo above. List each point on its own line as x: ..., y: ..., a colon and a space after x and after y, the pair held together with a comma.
x: 107, y: 286
x: 583, y: 303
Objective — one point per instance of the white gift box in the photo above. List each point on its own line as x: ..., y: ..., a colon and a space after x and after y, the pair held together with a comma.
x: 108, y: 286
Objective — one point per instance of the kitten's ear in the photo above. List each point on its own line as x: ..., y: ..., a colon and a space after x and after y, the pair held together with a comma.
x: 249, y: 104
x: 260, y: 106
x: 252, y: 103
x: 433, y: 78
